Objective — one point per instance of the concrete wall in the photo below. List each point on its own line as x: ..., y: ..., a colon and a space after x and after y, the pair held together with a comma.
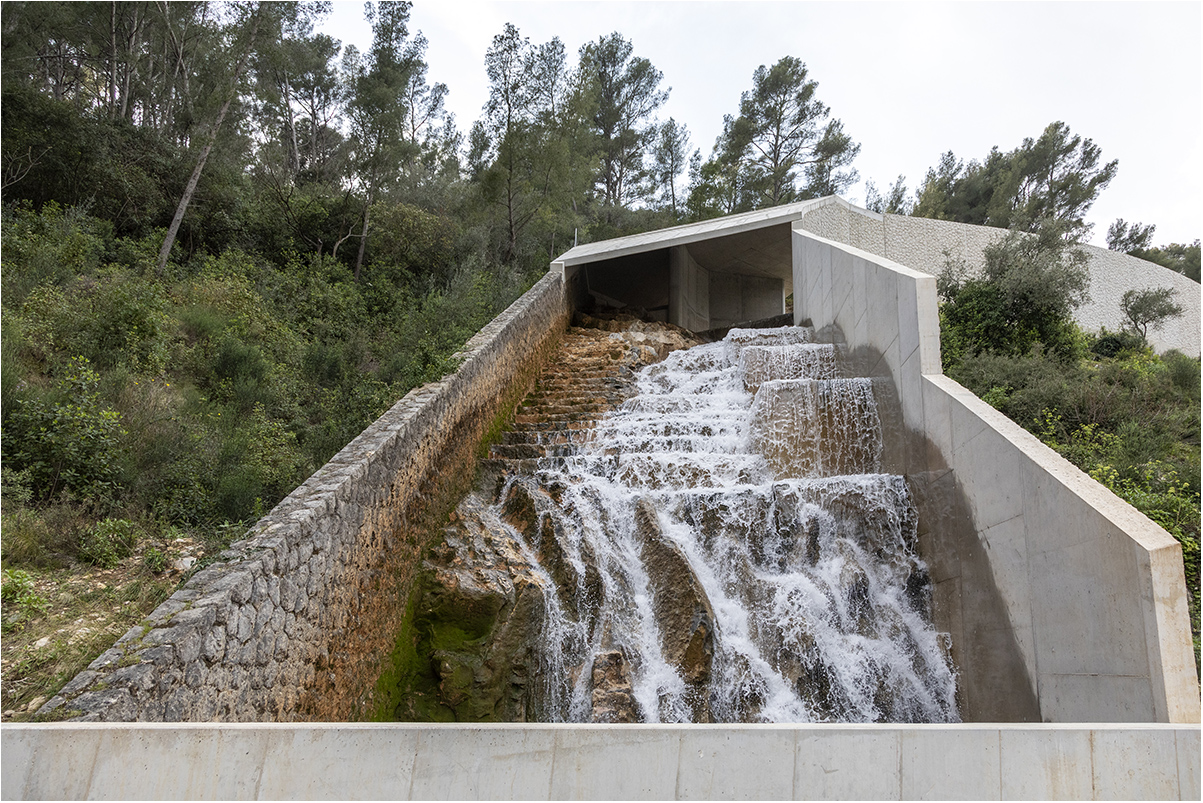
x: 700, y: 299
x: 921, y: 243
x: 1093, y: 591
x: 737, y: 298
x: 549, y: 762
x: 297, y: 621
x: 689, y: 291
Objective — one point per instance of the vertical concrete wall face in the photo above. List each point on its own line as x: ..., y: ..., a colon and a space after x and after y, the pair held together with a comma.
x: 700, y: 299
x: 1062, y: 582
x: 735, y: 298
x: 769, y: 299
x: 298, y: 620
x: 689, y: 291
x: 601, y: 762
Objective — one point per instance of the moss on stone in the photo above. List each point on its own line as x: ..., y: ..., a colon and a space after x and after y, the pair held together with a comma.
x: 407, y: 689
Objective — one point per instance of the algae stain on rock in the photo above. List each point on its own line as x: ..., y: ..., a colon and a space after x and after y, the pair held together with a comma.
x: 469, y: 638
x: 469, y: 646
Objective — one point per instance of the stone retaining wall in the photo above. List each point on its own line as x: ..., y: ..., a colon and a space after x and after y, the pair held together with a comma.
x: 297, y: 620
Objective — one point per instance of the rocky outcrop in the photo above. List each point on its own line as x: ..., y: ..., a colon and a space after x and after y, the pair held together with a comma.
x: 682, y: 609
x: 612, y: 697
x: 479, y: 615
x: 479, y: 620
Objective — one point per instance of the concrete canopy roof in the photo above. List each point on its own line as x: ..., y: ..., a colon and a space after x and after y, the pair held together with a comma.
x: 752, y: 243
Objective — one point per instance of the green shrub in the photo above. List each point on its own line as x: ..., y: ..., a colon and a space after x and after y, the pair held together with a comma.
x: 43, y: 536
x: 1112, y: 344
x: 201, y: 323
x: 65, y: 439
x: 18, y: 589
x: 155, y: 560
x: 20, y: 599
x: 108, y: 542
x: 111, y: 318
x: 1183, y: 372
x: 120, y: 319
x: 1025, y: 297
x: 47, y: 248
x: 240, y: 372
x: 259, y: 460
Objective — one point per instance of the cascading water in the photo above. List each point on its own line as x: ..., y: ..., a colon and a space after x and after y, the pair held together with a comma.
x: 721, y: 549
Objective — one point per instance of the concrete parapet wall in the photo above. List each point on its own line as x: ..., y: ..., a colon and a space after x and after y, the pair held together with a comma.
x: 1093, y: 591
x: 922, y: 244
x: 573, y: 762
x: 298, y: 619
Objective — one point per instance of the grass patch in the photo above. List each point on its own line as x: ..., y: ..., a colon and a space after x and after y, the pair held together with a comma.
x: 86, y: 610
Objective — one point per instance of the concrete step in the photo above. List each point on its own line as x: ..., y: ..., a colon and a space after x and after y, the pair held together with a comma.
x: 573, y: 437
x: 518, y: 451
x: 585, y: 418
x: 553, y: 410
x: 527, y: 451
x: 541, y: 425
x: 575, y: 394
x: 528, y: 465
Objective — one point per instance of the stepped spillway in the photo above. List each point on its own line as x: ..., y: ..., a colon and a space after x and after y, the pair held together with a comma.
x: 705, y: 539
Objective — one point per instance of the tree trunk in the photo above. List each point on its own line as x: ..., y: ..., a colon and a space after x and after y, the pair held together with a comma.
x: 169, y: 240
x: 363, y: 236
x: 295, y: 156
x: 112, y: 60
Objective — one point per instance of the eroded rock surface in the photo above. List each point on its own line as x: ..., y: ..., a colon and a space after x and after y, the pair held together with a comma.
x: 480, y: 614
x: 682, y: 608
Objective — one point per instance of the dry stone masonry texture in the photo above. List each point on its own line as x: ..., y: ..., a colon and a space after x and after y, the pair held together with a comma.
x: 294, y: 620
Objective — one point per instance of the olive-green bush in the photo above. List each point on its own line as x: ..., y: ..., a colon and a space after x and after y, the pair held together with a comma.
x: 201, y: 398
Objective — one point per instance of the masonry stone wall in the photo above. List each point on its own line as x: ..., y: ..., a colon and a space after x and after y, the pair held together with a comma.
x: 297, y: 620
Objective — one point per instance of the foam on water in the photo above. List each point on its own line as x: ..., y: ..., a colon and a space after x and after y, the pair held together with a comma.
x: 759, y: 460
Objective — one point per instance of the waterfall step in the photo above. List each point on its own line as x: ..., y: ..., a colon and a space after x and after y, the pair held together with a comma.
x: 705, y: 540
x: 592, y: 373
x: 545, y: 438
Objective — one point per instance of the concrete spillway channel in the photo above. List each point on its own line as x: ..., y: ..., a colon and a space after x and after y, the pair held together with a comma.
x: 1064, y: 608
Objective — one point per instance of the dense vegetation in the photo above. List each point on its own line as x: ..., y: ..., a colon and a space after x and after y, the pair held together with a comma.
x: 1123, y: 414
x: 229, y: 243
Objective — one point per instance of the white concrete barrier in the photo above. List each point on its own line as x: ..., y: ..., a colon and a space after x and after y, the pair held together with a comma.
x: 1093, y: 590
x: 74, y: 761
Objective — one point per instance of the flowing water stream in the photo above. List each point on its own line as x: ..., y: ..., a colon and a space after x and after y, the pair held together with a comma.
x: 723, y: 548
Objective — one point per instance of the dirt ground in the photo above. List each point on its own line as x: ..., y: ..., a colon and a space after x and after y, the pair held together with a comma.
x: 65, y: 617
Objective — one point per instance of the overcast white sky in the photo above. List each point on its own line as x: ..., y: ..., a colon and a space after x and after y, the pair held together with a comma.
x: 910, y: 80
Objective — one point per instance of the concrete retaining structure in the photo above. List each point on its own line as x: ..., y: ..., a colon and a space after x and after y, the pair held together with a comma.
x: 575, y: 762
x: 1093, y: 590
x: 297, y: 621
x: 924, y: 244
